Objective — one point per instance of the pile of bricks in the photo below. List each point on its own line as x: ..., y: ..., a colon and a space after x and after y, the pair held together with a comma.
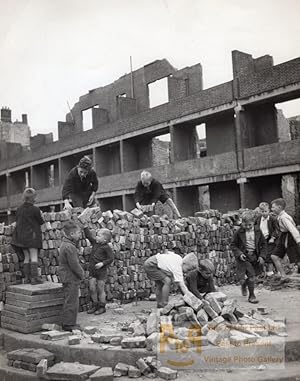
x: 135, y: 238
x: 9, y: 262
x: 28, y: 307
x: 188, y: 321
x: 34, y: 360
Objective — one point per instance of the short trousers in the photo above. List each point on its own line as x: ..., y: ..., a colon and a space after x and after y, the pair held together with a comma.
x: 292, y: 249
x: 245, y: 269
x: 100, y: 274
x: 155, y: 273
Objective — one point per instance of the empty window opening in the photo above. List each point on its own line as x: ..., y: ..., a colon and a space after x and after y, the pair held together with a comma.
x: 161, y: 149
x: 201, y: 144
x: 87, y: 119
x: 158, y: 92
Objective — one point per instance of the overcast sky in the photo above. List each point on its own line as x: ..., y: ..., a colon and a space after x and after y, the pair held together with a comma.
x: 53, y: 51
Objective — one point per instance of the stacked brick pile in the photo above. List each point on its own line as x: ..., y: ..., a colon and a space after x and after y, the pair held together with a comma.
x: 9, y: 262
x: 135, y: 238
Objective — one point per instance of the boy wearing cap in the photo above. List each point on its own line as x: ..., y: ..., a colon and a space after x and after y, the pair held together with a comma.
x: 250, y: 249
x: 81, y: 185
x: 200, y: 282
x: 167, y: 267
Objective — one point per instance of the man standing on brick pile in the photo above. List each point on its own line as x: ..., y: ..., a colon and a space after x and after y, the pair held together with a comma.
x: 148, y: 191
x: 81, y: 185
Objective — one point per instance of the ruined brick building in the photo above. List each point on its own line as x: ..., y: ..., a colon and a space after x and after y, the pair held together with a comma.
x: 249, y: 157
x: 14, y: 132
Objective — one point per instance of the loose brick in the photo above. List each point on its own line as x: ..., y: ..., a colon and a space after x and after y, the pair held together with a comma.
x: 215, y: 305
x: 143, y: 366
x: 121, y: 369
x: 167, y: 373
x: 202, y: 317
x: 134, y: 342
x: 133, y: 372
x: 193, y: 301
x: 74, y: 340
x: 90, y: 330
x: 152, y: 323
x: 42, y: 367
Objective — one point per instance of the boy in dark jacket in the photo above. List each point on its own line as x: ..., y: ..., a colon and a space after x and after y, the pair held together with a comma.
x: 70, y: 273
x: 250, y: 249
x: 200, y: 282
x: 27, y: 235
x: 101, y: 257
x: 269, y: 227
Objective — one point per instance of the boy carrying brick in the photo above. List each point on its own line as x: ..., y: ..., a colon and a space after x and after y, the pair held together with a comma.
x: 167, y: 267
x: 289, y: 237
x: 269, y: 227
x: 250, y: 249
x: 101, y: 257
x: 200, y: 282
x: 70, y: 273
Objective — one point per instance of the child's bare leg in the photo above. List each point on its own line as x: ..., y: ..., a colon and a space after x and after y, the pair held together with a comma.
x: 34, y: 275
x: 277, y: 262
x: 166, y: 290
x: 26, y: 266
x: 101, y: 296
x: 101, y: 291
x: 94, y: 295
x: 158, y: 293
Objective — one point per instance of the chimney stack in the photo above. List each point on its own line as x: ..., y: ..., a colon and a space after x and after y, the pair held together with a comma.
x: 5, y: 114
x: 24, y: 119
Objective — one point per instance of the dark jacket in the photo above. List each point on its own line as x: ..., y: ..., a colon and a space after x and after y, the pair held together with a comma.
x: 69, y: 270
x: 238, y: 244
x: 198, y: 285
x: 74, y: 184
x: 148, y: 195
x: 100, y: 253
x: 28, y: 232
x: 272, y: 226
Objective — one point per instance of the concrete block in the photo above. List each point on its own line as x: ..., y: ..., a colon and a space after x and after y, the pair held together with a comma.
x: 17, y: 364
x: 214, y: 337
x: 121, y: 369
x: 216, y: 321
x: 134, y: 372
x: 202, y: 317
x: 210, y: 311
x: 116, y: 341
x: 71, y: 371
x: 90, y: 330
x: 193, y: 302
x: 215, y: 305
x: 219, y: 296
x: 51, y: 327
x: 74, y: 340
x: 143, y: 366
x: 134, y: 342
x: 103, y: 374
x: 28, y: 366
x: 41, y: 368
x: 167, y: 373
x: 152, y: 341
x: 152, y: 323
x: 54, y: 335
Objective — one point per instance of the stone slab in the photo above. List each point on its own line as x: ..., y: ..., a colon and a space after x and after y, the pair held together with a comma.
x: 32, y: 305
x: 33, y: 298
x: 38, y: 289
x: 69, y: 371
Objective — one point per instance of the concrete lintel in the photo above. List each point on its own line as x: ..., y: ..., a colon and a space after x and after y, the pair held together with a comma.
x: 270, y: 94
x: 273, y: 171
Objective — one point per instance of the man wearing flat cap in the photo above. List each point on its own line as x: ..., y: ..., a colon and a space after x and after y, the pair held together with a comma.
x: 81, y: 185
